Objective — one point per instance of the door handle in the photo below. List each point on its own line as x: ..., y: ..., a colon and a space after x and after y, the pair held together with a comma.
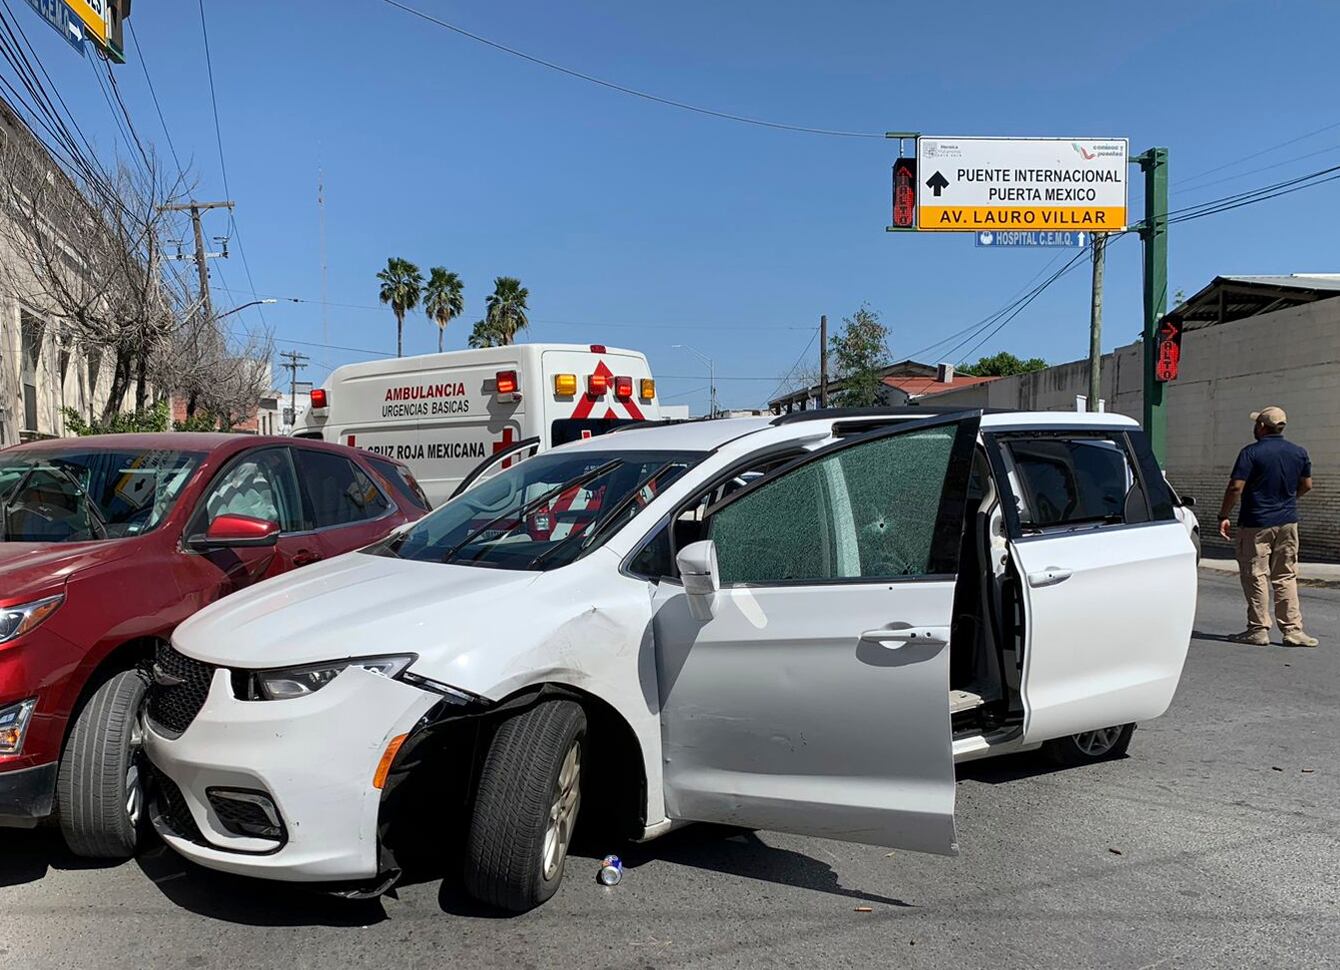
x: 1048, y: 577
x: 935, y: 636
x: 306, y: 557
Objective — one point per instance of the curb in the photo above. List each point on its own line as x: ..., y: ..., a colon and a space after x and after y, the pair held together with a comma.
x: 1226, y: 567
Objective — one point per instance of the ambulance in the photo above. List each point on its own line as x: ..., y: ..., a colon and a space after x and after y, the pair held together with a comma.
x: 443, y: 414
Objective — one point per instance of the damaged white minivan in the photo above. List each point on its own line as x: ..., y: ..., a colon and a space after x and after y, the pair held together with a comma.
x: 797, y: 624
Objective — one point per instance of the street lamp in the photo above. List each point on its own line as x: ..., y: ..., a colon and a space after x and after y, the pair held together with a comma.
x: 711, y: 374
x: 243, y: 307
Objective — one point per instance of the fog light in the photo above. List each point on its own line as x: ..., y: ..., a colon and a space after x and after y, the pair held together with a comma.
x: 249, y: 813
x: 14, y: 725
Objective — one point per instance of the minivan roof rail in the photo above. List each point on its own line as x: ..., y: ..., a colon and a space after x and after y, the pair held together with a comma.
x: 906, y: 410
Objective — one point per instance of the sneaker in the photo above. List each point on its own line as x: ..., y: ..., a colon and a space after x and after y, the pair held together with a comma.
x: 1257, y: 638
x: 1299, y: 639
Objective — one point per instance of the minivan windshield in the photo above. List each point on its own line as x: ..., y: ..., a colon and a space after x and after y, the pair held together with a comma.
x: 544, y: 512
x: 84, y: 494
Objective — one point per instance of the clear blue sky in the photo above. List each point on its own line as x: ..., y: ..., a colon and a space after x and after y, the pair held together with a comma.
x: 645, y: 226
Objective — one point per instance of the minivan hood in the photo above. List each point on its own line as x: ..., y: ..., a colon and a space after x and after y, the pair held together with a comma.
x: 348, y: 607
x: 29, y: 569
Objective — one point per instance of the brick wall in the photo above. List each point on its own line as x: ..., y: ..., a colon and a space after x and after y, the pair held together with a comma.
x: 1290, y: 358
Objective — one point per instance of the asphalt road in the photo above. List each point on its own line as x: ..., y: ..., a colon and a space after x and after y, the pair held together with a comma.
x: 1215, y: 843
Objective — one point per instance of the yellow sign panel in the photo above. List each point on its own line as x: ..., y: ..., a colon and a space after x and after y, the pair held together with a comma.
x: 93, y: 15
x: 960, y: 217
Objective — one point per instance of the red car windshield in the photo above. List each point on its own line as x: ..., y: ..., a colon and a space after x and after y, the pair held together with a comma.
x: 86, y: 494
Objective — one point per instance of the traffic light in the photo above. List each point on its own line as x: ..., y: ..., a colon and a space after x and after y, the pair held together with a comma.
x: 1168, y: 348
x: 904, y: 193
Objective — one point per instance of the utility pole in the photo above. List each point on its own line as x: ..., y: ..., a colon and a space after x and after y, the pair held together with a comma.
x: 201, y: 255
x: 823, y: 360
x: 1154, y: 235
x: 1096, y: 322
x: 293, y: 362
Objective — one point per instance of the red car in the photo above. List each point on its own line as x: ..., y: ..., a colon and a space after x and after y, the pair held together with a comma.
x: 106, y: 544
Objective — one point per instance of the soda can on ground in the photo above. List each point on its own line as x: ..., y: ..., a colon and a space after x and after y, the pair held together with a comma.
x: 611, y: 871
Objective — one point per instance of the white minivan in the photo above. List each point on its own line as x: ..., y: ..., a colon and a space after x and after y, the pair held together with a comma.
x: 441, y: 414
x: 796, y: 624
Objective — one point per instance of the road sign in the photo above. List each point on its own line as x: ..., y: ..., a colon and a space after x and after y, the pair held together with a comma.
x: 1014, y: 239
x: 60, y: 17
x: 93, y: 13
x: 1022, y: 184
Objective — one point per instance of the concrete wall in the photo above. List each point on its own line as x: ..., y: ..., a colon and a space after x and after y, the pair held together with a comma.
x: 1290, y: 358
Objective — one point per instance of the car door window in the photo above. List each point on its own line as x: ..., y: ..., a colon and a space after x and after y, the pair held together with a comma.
x: 1080, y: 480
x: 656, y: 558
x: 339, y: 491
x: 260, y: 484
x: 866, y: 511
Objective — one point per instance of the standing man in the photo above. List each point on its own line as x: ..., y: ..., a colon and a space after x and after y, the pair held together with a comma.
x: 1268, y: 476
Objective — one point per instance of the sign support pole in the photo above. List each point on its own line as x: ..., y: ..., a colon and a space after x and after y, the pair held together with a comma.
x: 1154, y: 234
x: 1096, y: 323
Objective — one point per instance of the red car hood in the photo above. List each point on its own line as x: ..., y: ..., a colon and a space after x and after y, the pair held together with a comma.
x: 29, y: 569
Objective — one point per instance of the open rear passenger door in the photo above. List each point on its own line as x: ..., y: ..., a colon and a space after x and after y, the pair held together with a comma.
x: 803, y: 660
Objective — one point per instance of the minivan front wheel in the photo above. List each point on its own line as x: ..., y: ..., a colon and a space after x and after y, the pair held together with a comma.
x: 526, y: 805
x: 100, y: 783
x: 1090, y: 746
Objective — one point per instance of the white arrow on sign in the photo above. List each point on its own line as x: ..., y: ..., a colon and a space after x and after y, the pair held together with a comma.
x: 1081, y: 240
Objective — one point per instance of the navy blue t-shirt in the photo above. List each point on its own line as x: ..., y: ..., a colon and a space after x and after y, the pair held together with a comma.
x: 1271, y: 467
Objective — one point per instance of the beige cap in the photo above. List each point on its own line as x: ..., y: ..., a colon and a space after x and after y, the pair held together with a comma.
x: 1272, y: 417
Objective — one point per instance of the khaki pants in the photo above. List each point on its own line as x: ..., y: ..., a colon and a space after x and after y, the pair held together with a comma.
x: 1268, y: 557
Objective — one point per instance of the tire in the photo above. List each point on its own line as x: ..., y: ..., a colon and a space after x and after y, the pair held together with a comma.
x: 100, y: 783
x: 1090, y: 746
x: 532, y: 770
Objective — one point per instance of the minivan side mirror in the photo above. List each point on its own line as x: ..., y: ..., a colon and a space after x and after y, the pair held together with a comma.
x: 1189, y: 501
x: 236, y: 532
x: 698, y: 569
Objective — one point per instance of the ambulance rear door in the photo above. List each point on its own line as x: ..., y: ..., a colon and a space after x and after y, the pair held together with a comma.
x: 589, y: 392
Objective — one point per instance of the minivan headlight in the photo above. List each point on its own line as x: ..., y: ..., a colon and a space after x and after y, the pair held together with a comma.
x: 287, y: 682
x: 15, y: 621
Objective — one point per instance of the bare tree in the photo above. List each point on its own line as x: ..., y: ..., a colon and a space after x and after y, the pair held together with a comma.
x: 83, y: 254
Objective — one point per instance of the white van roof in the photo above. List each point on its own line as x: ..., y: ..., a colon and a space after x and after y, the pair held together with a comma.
x: 480, y: 355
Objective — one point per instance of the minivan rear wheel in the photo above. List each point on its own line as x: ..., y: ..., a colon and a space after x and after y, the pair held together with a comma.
x: 100, y: 784
x: 526, y: 805
x: 1090, y: 746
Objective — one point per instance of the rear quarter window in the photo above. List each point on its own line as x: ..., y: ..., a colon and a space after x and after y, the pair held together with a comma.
x: 401, y: 482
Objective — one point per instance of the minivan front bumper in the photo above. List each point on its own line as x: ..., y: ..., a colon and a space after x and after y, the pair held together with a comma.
x: 312, y: 758
x: 26, y: 795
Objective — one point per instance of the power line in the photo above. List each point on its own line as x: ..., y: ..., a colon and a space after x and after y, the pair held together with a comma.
x: 125, y: 112
x: 223, y: 164
x: 782, y: 382
x: 623, y: 89
x: 1257, y: 154
x: 139, y: 55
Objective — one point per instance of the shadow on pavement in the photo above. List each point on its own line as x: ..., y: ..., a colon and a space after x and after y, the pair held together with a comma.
x: 27, y: 854
x: 736, y: 852
x: 252, y: 902
x: 1017, y: 767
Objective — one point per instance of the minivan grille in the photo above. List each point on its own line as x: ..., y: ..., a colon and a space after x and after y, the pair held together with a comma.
x: 180, y: 686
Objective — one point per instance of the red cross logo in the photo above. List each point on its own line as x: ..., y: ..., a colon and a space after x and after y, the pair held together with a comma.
x: 508, y: 439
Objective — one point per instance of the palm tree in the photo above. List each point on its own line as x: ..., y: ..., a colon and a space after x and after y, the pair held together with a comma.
x: 506, y: 308
x: 401, y: 285
x: 487, y: 334
x: 442, y: 299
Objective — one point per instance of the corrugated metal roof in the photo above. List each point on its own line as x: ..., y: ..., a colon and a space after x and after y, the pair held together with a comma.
x: 1302, y: 281
x: 1229, y: 298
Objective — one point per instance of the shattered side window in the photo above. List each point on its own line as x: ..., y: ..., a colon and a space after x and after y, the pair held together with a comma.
x: 894, y: 489
x: 868, y: 511
x: 780, y: 533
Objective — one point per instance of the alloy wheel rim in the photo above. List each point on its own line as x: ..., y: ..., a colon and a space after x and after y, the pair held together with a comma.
x: 134, y: 787
x: 563, y: 811
x: 1096, y: 743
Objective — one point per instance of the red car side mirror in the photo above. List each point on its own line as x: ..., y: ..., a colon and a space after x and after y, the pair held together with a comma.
x: 236, y: 532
